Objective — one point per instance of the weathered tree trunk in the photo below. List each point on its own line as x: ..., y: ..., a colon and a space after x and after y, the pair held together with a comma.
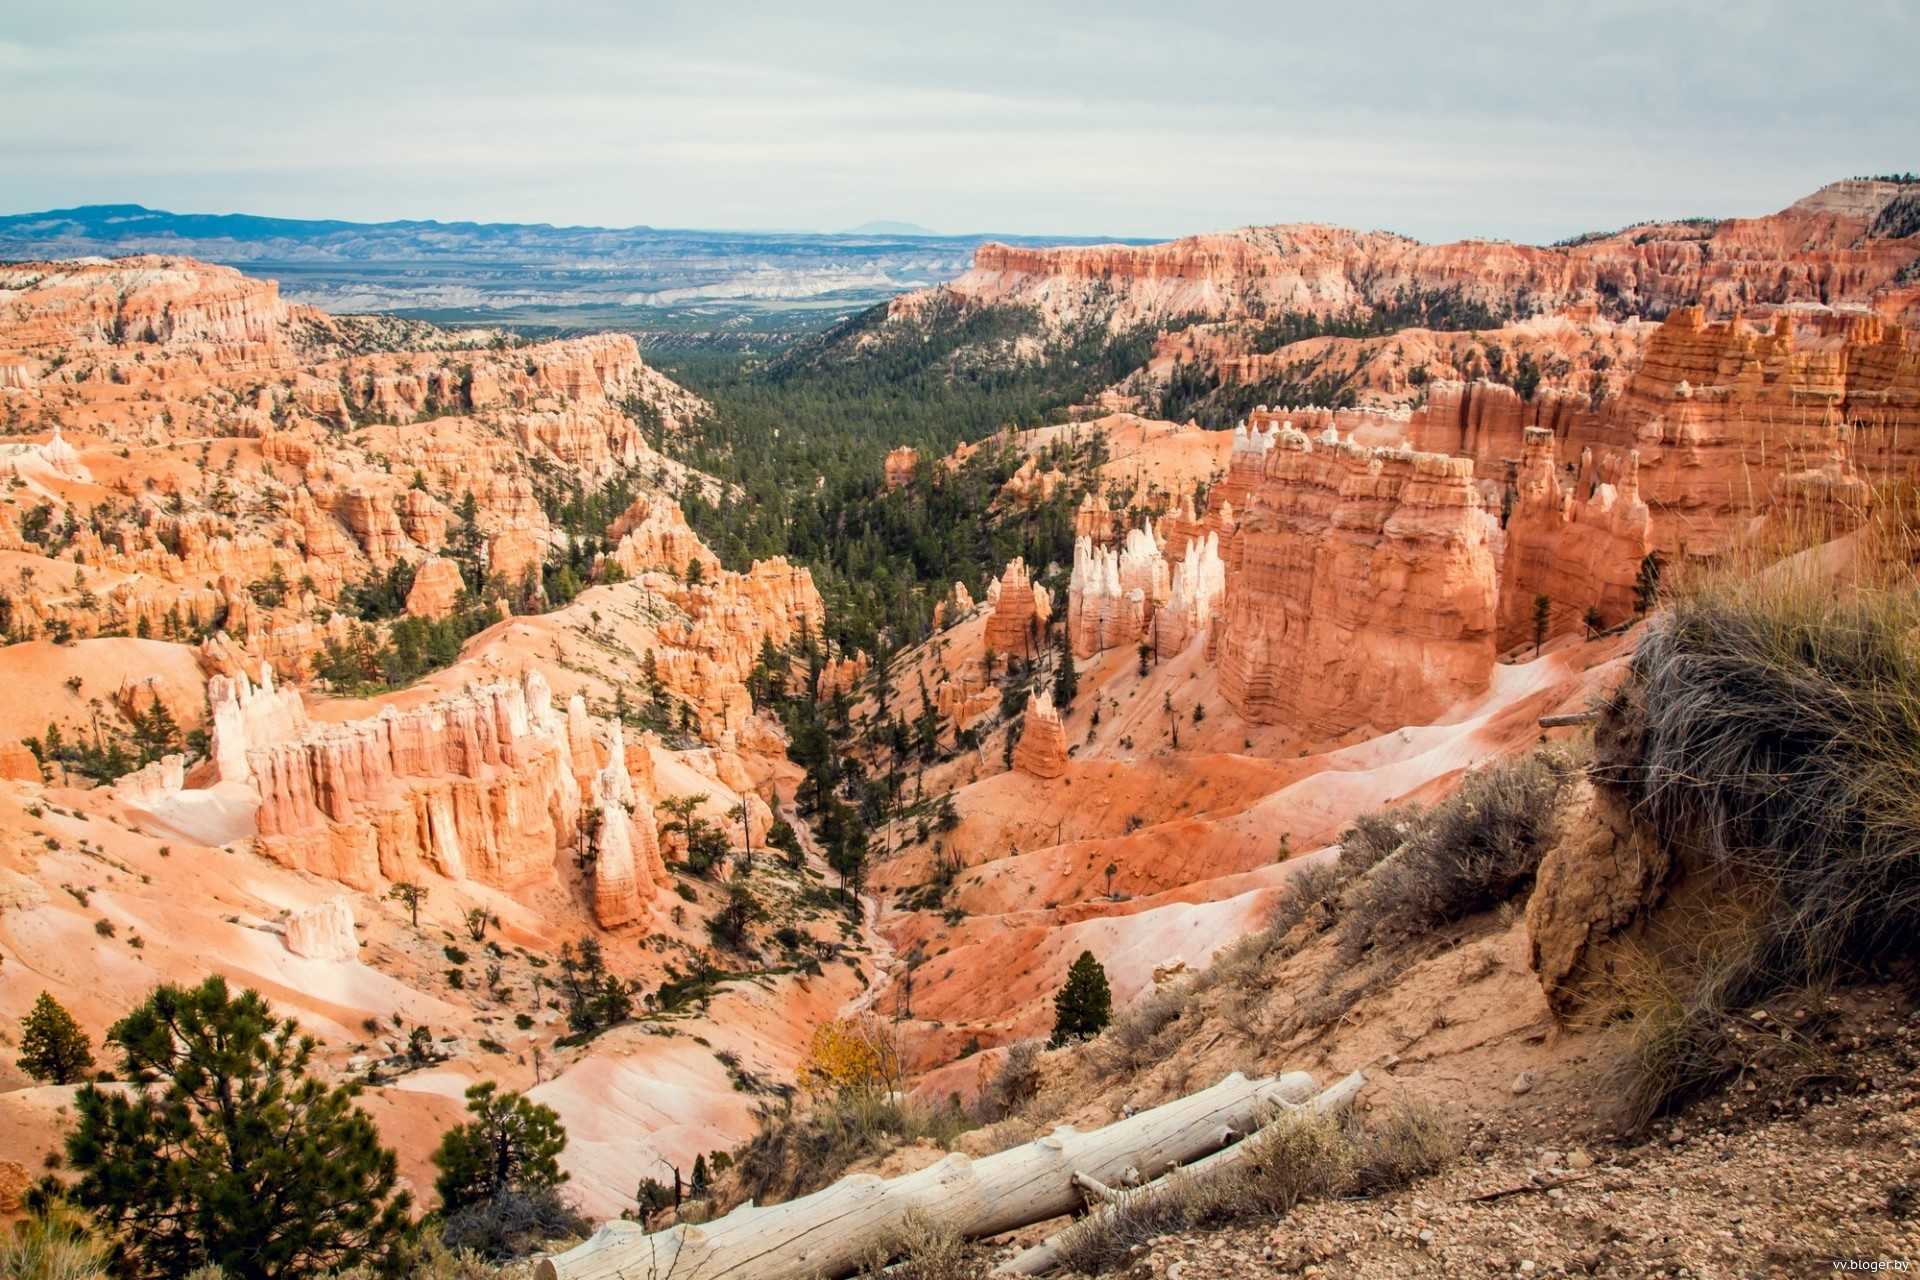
x: 1045, y: 1256
x: 832, y: 1232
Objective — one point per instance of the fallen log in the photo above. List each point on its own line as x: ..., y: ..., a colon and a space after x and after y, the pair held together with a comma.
x: 1571, y: 717
x: 1045, y: 1256
x: 832, y: 1232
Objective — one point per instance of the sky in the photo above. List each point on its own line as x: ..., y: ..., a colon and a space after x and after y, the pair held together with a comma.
x: 1438, y: 120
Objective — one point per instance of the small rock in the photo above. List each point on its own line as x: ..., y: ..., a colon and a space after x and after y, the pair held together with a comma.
x: 1426, y: 1237
x: 1578, y: 1159
x: 1524, y: 1082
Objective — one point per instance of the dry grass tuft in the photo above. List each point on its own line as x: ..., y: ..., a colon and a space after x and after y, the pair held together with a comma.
x: 1302, y: 1156
x: 57, y: 1244
x: 926, y: 1250
x: 1469, y: 853
x: 1768, y: 732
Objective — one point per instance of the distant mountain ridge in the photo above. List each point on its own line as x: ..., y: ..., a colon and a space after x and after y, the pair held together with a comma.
x: 560, y: 275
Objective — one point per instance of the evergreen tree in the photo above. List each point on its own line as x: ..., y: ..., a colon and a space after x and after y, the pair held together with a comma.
x: 234, y: 1156
x: 52, y: 1045
x: 1066, y: 681
x: 410, y: 895
x: 1646, y: 583
x: 1542, y: 618
x: 701, y: 1178
x: 512, y: 1144
x: 1083, y: 1007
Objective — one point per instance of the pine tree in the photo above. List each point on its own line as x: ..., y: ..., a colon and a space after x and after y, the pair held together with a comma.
x: 1542, y: 618
x: 52, y: 1045
x: 511, y: 1145
x: 1646, y: 583
x: 701, y: 1178
x: 234, y: 1156
x: 1083, y: 1007
x: 411, y: 895
x: 1066, y: 681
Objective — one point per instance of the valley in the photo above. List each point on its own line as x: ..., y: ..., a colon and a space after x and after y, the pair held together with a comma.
x: 1380, y: 658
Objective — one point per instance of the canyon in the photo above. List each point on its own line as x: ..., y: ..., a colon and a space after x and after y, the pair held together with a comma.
x: 380, y: 666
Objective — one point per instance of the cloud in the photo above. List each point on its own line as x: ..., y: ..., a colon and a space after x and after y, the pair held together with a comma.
x: 1439, y: 121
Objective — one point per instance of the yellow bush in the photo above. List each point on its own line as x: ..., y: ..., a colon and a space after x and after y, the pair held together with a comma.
x: 851, y: 1055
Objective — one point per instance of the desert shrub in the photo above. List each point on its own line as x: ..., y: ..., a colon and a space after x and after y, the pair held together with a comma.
x: 1133, y: 1041
x: 794, y: 1152
x: 1366, y: 843
x: 1012, y: 1083
x: 1410, y: 1141
x: 1301, y: 1156
x: 927, y: 1250
x: 1767, y: 732
x: 512, y: 1224
x: 1472, y: 851
x: 56, y: 1243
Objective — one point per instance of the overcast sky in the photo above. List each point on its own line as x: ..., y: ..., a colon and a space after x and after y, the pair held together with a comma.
x: 1529, y: 121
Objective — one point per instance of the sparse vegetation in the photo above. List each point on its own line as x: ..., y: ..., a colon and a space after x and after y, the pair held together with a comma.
x: 1472, y: 851
x: 1303, y: 1155
x: 1767, y: 734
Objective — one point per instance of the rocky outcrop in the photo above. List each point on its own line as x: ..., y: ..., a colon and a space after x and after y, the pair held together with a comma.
x: 17, y: 764
x: 478, y: 785
x: 437, y: 584
x: 1114, y: 592
x: 653, y: 533
x: 324, y: 931
x: 1199, y: 582
x: 1364, y: 592
x: 1042, y: 750
x: 1822, y: 250
x: 245, y: 718
x: 956, y: 604
x: 1572, y: 537
x: 899, y: 465
x: 627, y: 867
x: 1020, y: 612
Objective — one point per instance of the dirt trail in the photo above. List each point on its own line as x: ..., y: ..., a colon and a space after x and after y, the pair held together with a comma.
x: 886, y: 963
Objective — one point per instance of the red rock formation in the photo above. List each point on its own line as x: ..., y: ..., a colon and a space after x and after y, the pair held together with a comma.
x: 1819, y: 250
x: 1020, y: 613
x: 17, y: 764
x: 479, y: 785
x: 957, y: 605
x: 1042, y: 750
x: 653, y: 533
x: 899, y: 466
x: 840, y: 675
x: 1364, y: 593
x: 437, y: 584
x: 1573, y: 538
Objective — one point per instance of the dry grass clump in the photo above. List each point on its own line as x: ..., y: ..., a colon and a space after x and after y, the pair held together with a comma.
x: 56, y: 1244
x: 1769, y: 732
x: 794, y: 1153
x: 1471, y: 852
x: 1012, y: 1084
x: 1304, y: 1155
x: 926, y: 1250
